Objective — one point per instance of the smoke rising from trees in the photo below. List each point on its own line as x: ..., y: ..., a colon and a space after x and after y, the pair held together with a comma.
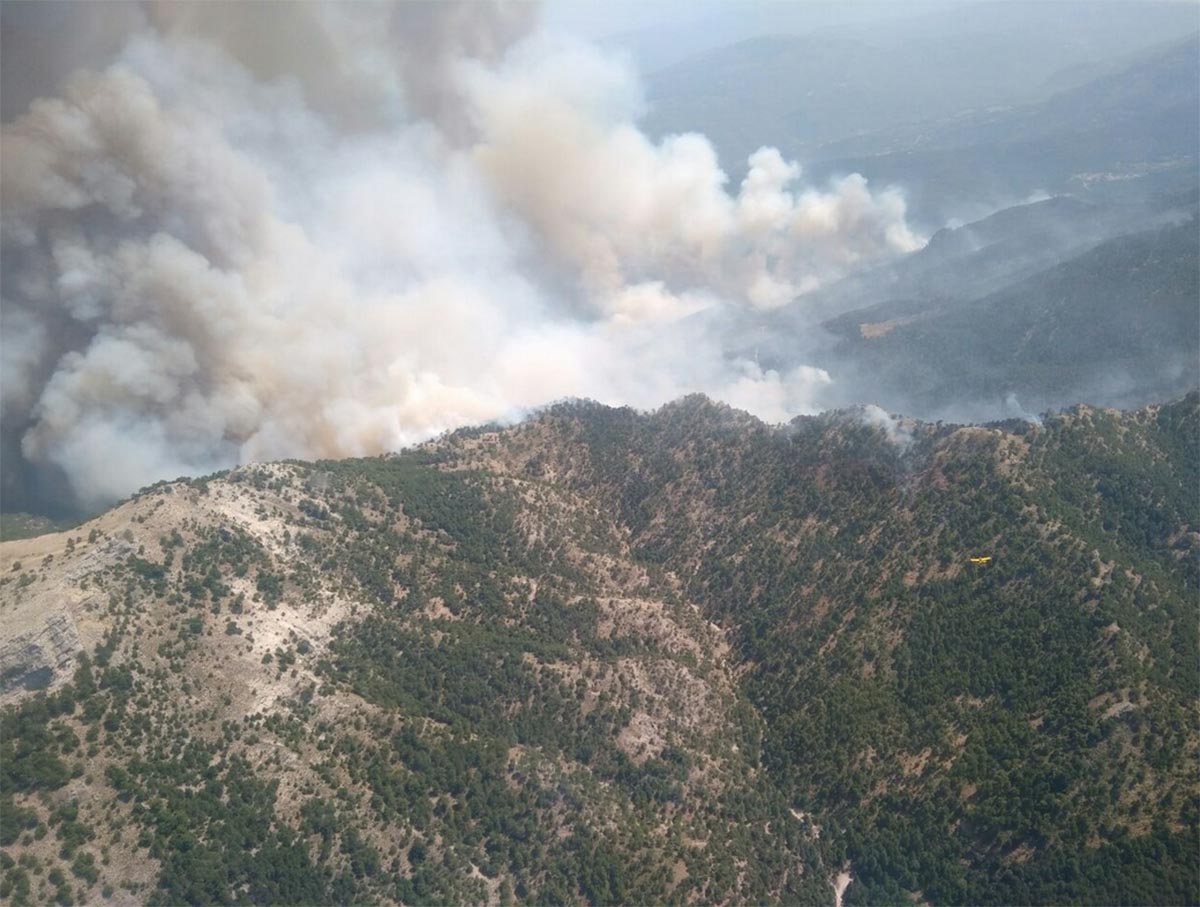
x: 234, y: 233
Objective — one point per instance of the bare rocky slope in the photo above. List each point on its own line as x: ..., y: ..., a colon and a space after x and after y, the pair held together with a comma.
x: 609, y: 657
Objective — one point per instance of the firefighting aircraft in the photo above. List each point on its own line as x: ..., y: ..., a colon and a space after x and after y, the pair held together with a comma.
x: 984, y: 559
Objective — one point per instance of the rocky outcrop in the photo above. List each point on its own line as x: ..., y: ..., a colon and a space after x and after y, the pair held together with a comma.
x: 41, y: 657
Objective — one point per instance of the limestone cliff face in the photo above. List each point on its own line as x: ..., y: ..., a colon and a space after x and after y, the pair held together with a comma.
x: 39, y: 657
x: 50, y: 601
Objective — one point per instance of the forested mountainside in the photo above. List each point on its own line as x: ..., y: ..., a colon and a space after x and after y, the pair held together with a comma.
x: 605, y: 657
x: 980, y: 258
x: 1115, y: 323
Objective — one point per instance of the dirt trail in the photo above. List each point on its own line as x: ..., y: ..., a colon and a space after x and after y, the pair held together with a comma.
x: 840, y: 884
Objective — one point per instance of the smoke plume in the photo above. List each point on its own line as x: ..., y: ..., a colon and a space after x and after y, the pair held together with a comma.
x: 234, y: 233
x: 894, y: 429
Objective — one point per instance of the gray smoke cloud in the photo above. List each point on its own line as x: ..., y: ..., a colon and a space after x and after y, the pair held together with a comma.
x: 235, y: 233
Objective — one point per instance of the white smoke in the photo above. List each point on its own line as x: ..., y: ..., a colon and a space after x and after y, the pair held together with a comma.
x: 895, y: 430
x: 328, y: 230
x: 1014, y: 409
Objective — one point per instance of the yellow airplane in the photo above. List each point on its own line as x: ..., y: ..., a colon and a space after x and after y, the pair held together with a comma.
x: 981, y: 560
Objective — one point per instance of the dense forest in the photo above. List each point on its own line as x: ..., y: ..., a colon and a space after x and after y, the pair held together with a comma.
x: 610, y: 657
x: 1113, y: 324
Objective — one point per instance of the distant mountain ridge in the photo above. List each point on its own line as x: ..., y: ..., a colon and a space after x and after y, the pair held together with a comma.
x: 1135, y: 130
x: 841, y: 105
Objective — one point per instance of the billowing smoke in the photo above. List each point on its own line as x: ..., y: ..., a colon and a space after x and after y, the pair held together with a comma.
x: 257, y: 231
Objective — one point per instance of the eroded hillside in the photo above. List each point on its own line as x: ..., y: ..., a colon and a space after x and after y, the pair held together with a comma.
x: 401, y: 684
x: 611, y: 657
